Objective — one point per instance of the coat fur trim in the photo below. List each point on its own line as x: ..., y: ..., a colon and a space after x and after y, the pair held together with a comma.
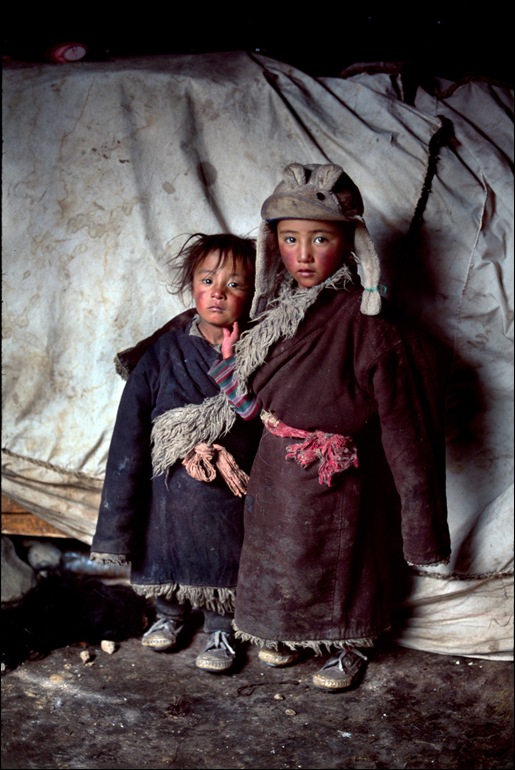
x: 177, y: 431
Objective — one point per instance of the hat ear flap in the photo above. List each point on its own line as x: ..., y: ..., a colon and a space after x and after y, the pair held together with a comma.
x: 366, y: 254
x: 268, y: 264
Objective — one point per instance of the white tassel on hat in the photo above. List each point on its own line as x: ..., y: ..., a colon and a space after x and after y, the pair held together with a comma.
x: 366, y: 254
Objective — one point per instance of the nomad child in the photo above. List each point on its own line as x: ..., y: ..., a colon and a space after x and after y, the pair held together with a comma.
x: 174, y: 489
x: 349, y: 478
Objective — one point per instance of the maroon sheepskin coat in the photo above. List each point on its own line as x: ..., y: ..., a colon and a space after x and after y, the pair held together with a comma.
x: 317, y: 562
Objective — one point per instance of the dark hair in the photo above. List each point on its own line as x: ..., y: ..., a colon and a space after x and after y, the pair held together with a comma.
x: 196, y: 248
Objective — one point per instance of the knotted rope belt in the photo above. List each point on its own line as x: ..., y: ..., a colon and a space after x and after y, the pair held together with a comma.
x: 334, y: 452
x: 204, y: 460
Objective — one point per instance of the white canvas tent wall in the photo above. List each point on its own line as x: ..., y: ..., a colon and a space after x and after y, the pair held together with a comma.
x: 106, y: 163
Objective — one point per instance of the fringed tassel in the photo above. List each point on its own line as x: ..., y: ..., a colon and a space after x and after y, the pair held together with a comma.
x: 205, y: 459
x: 334, y: 452
x: 234, y: 477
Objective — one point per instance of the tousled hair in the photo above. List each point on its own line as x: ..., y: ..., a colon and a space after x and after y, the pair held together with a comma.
x: 196, y: 248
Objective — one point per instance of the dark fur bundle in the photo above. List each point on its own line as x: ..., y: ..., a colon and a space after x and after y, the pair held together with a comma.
x: 65, y: 609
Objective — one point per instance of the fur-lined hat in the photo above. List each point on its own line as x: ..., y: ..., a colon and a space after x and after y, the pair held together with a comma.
x: 323, y: 192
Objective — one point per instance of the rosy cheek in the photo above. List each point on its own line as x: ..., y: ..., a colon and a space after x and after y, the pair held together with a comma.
x: 332, y: 257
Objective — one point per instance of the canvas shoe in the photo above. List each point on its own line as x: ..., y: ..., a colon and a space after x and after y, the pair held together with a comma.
x: 162, y: 635
x: 283, y: 656
x: 219, y: 653
x: 340, y: 672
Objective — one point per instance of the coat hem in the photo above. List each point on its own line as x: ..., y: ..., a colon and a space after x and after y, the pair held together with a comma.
x: 319, y: 646
x: 219, y: 600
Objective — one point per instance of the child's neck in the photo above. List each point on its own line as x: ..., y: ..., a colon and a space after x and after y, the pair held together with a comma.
x: 212, y: 334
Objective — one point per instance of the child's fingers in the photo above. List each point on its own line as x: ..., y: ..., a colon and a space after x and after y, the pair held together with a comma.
x: 235, y: 331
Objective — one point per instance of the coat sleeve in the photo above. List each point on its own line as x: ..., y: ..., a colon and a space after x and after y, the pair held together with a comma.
x: 410, y: 398
x: 224, y: 374
x: 127, y: 485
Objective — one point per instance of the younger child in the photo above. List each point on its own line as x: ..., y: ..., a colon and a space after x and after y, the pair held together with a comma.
x: 350, y: 472
x: 172, y: 499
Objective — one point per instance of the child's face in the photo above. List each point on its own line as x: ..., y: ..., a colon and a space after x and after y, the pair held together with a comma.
x: 312, y: 249
x: 222, y: 293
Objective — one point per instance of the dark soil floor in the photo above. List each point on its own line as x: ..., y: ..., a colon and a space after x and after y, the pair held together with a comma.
x: 135, y: 708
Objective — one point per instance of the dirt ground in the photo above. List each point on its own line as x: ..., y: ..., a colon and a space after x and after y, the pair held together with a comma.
x: 135, y: 708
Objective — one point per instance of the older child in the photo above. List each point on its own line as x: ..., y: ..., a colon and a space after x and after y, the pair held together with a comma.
x: 172, y: 499
x: 350, y: 471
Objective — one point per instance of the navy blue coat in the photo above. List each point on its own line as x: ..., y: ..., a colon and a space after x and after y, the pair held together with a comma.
x: 177, y: 532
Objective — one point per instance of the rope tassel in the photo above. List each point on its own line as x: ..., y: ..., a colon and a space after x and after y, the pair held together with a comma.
x: 203, y: 461
x: 334, y: 452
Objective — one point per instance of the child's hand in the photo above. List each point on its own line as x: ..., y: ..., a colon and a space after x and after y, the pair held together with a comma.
x: 231, y: 337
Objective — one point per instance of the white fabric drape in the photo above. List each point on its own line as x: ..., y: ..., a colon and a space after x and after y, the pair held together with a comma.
x: 106, y: 164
